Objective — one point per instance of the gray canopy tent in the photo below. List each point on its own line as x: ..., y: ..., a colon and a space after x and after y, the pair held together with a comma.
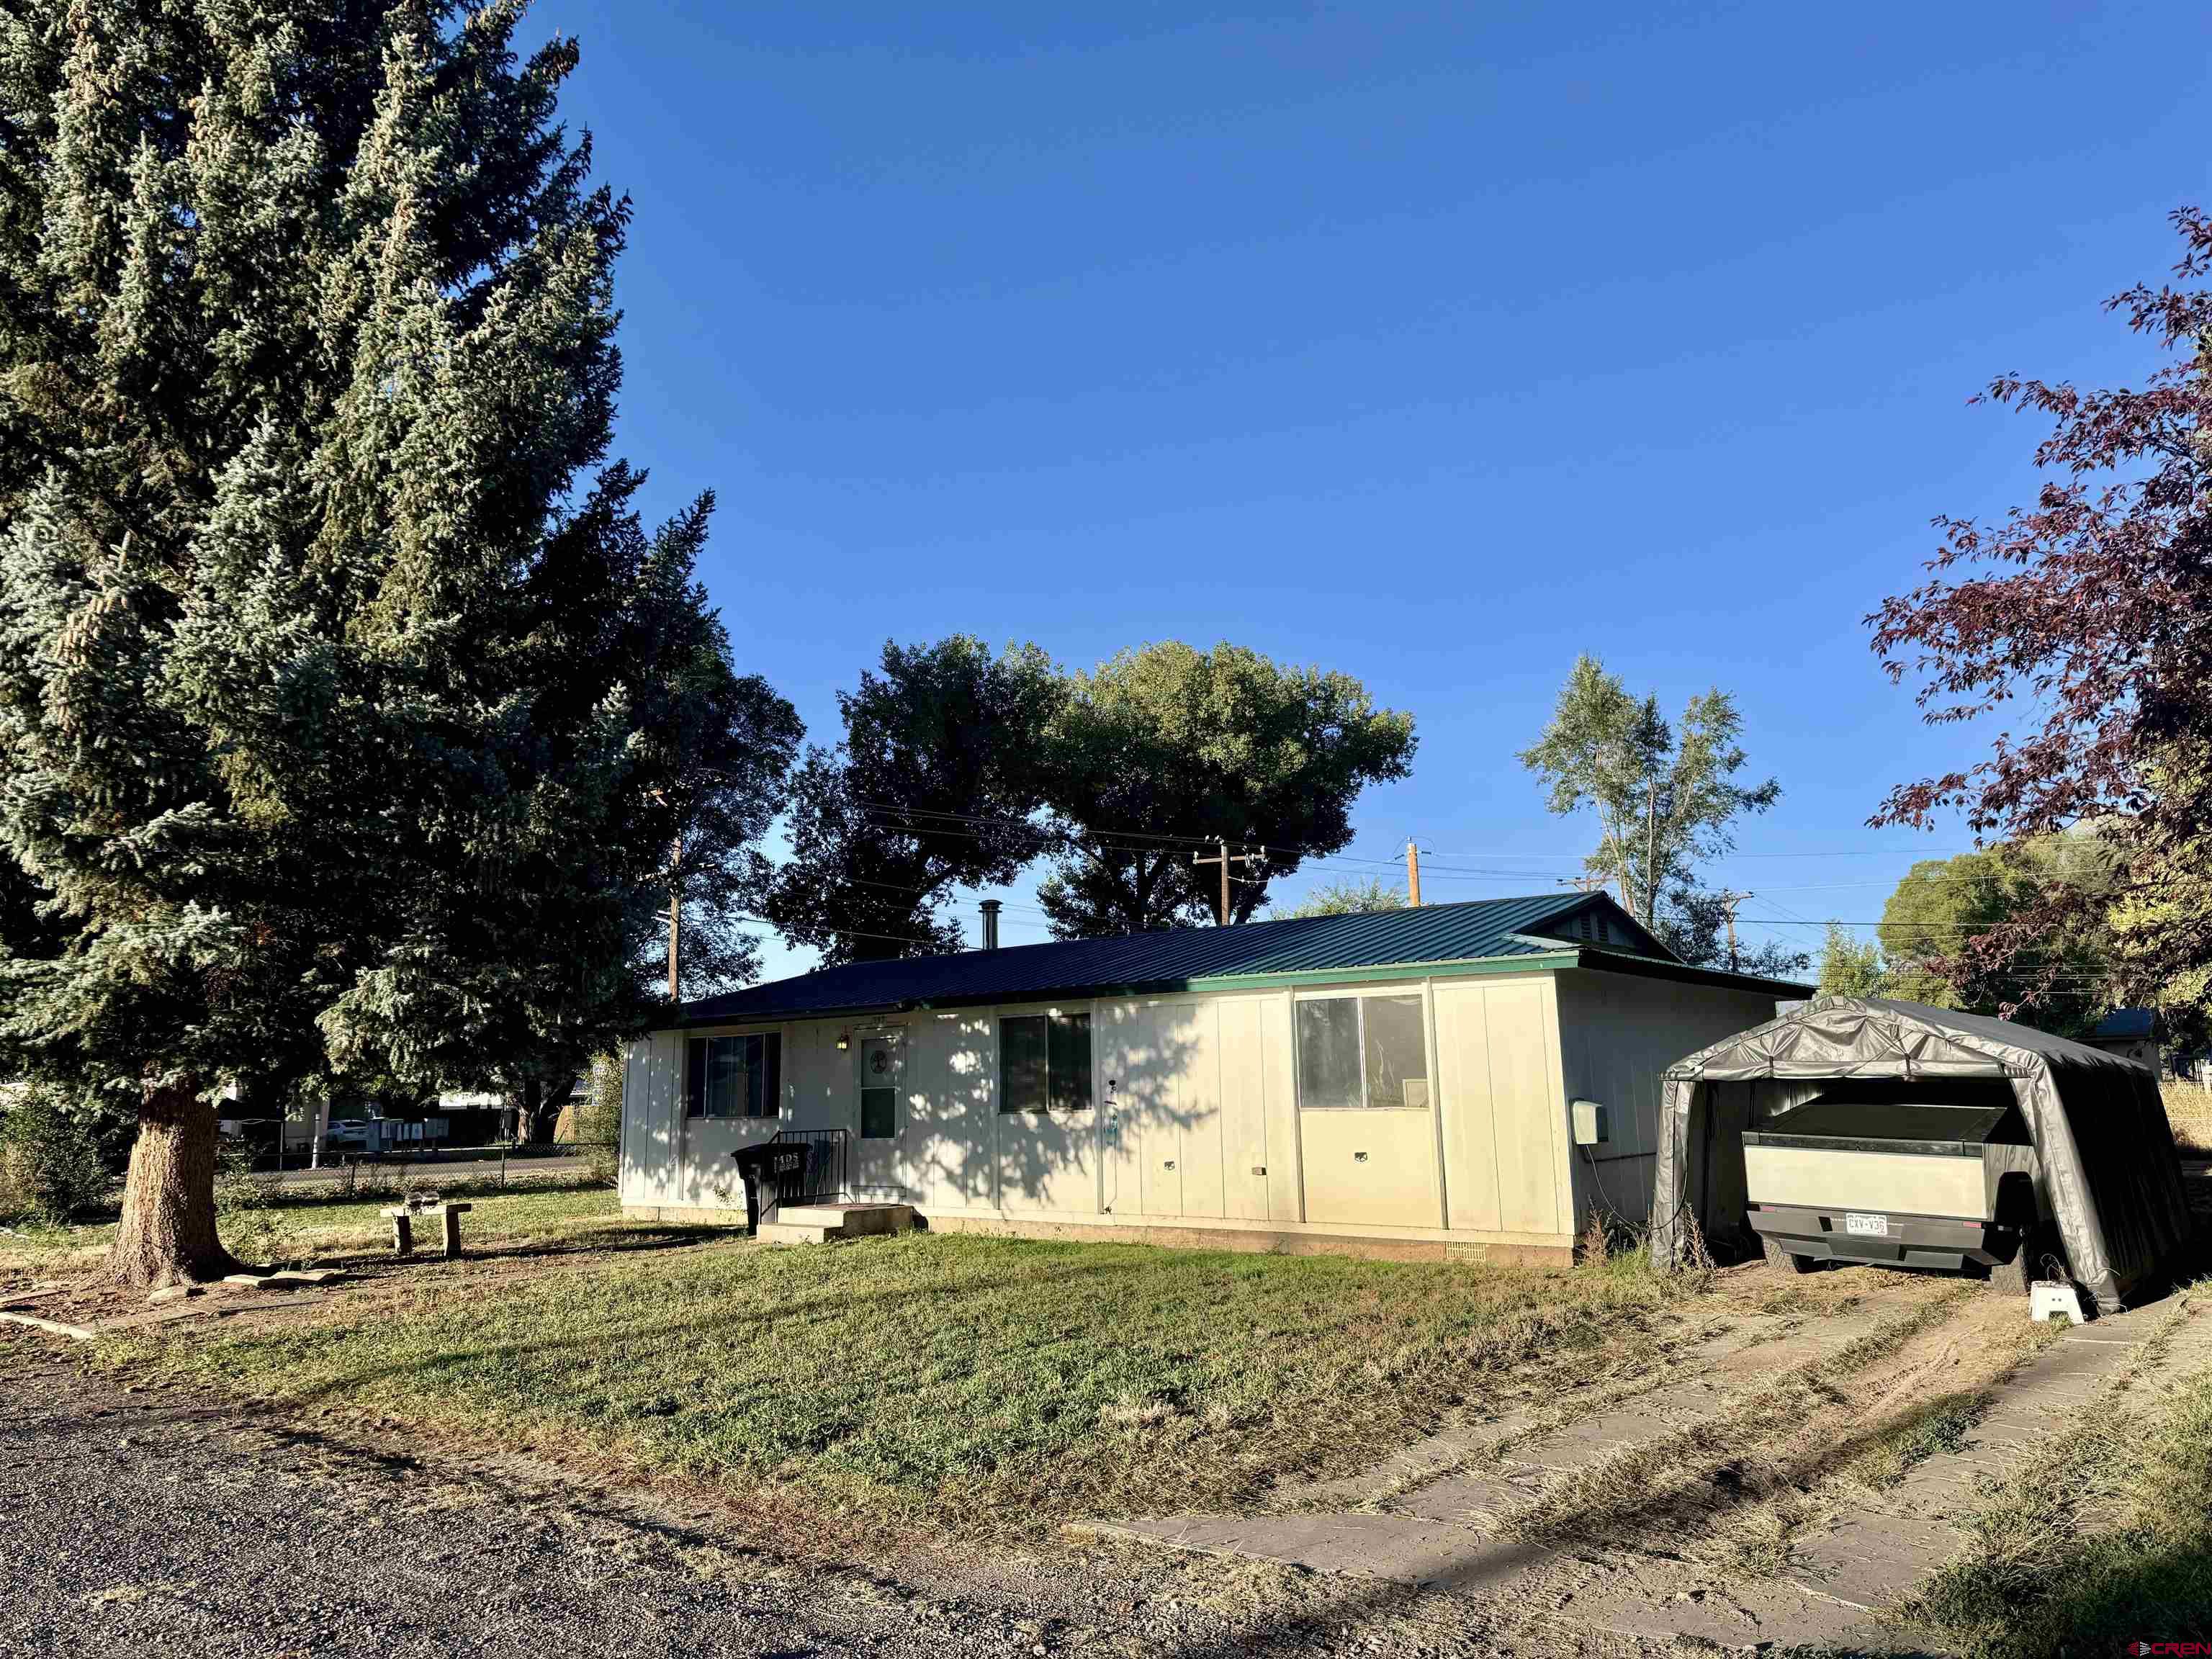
x: 2105, y: 1167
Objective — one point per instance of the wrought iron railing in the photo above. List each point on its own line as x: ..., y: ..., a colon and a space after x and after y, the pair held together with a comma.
x: 798, y: 1166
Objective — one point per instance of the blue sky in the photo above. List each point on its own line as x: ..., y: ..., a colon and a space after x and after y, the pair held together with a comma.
x: 1435, y: 344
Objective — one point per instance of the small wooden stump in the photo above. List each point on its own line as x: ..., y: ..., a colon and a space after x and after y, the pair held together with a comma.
x: 403, y: 1226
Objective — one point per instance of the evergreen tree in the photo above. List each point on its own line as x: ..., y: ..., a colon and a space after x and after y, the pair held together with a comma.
x: 349, y: 713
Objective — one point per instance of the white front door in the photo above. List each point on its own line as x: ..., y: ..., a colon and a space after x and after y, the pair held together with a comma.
x: 880, y: 1121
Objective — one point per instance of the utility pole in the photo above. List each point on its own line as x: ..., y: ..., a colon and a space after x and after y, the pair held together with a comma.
x: 1412, y: 875
x: 1728, y: 901
x: 1586, y: 883
x: 1224, y: 860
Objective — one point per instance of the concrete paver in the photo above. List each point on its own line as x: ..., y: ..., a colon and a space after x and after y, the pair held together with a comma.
x: 1455, y: 1529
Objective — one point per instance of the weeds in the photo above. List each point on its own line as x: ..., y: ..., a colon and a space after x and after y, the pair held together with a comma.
x: 246, y: 1218
x: 2103, y: 1538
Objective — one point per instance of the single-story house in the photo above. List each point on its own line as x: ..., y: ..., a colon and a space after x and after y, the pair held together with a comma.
x: 2130, y: 1033
x: 1404, y: 1082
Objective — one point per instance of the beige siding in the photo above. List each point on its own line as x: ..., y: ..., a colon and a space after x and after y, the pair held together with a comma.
x: 1374, y: 1167
x: 1048, y: 1162
x: 1502, y: 1132
x: 949, y: 1105
x: 652, y: 1118
x: 1618, y: 1033
x: 1243, y: 1080
x: 1201, y: 1126
x: 1184, y: 1091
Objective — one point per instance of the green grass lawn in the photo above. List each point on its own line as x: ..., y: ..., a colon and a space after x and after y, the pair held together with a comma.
x: 985, y: 1386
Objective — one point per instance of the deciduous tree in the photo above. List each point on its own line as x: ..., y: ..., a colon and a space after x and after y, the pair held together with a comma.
x: 1345, y: 898
x: 2089, y: 612
x: 1942, y: 906
x: 1666, y: 799
x: 935, y: 786
x: 1852, y: 967
x: 1165, y: 748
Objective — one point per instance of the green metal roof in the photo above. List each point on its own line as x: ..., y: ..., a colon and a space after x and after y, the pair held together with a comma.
x: 1548, y: 930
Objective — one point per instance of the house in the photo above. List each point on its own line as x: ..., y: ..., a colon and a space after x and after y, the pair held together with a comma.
x: 2130, y: 1033
x: 1403, y: 1082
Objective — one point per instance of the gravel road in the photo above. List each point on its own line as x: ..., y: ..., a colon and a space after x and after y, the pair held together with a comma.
x: 134, y: 1522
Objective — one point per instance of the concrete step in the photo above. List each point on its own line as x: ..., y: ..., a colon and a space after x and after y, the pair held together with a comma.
x: 848, y: 1220
x: 785, y: 1232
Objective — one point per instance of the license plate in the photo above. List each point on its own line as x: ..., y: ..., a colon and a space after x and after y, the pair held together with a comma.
x: 1867, y: 1226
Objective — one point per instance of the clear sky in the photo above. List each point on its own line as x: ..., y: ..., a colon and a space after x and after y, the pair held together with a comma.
x: 1432, y: 343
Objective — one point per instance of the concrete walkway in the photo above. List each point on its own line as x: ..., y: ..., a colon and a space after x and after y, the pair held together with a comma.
x: 1466, y: 1511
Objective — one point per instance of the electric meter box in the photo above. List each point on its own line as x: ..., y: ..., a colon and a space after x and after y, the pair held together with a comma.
x: 1591, y: 1128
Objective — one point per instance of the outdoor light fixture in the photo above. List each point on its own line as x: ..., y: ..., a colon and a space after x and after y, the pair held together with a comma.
x: 844, y: 1041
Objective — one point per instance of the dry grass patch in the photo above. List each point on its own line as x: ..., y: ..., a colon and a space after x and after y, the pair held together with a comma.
x: 2103, y: 1537
x: 1700, y: 1480
x: 986, y: 1386
x: 2189, y: 1109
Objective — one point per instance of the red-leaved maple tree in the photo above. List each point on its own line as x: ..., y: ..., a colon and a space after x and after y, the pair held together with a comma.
x: 2090, y: 612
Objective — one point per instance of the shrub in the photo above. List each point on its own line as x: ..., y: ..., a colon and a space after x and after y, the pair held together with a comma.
x: 54, y: 1161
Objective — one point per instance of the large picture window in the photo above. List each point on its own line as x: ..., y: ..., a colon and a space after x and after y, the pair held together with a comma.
x: 1369, y: 1052
x: 1044, y: 1061
x: 733, y: 1076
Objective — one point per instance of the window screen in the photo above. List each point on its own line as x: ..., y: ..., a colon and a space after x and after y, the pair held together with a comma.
x: 733, y: 1076
x: 1045, y: 1060
x: 1396, y: 1050
x: 1363, y: 1051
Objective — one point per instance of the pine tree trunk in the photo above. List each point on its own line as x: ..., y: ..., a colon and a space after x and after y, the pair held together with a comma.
x: 167, y: 1233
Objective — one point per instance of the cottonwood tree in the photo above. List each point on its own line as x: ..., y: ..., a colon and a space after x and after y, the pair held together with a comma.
x: 1666, y: 797
x: 343, y: 700
x: 1942, y: 906
x: 1852, y: 967
x: 1166, y: 748
x: 934, y: 787
x: 2091, y: 610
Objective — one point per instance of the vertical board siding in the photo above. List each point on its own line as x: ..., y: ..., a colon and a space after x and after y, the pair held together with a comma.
x: 1502, y: 1100
x: 1618, y: 1034
x: 1243, y: 1110
x: 1285, y: 1174
x: 1203, y: 1122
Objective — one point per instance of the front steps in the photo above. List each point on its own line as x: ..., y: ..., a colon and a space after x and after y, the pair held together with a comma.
x: 817, y: 1223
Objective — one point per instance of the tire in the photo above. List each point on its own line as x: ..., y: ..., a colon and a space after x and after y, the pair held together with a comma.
x: 1786, y: 1263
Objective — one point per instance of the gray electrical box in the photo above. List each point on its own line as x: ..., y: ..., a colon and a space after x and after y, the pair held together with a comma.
x: 1590, y: 1125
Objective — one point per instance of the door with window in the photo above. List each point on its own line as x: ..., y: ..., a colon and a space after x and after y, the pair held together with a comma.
x: 1367, y: 1139
x: 878, y: 1137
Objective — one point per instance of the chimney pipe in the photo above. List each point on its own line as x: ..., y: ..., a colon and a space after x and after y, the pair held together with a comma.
x: 990, y: 924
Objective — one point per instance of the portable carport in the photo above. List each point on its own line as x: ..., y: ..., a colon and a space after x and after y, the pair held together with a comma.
x: 2106, y: 1171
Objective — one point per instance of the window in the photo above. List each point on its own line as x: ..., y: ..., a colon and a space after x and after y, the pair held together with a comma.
x: 1363, y: 1051
x: 879, y: 1090
x: 1045, y: 1060
x: 733, y: 1076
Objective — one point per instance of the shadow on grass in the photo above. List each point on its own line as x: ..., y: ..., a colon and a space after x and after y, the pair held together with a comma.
x: 826, y: 1298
